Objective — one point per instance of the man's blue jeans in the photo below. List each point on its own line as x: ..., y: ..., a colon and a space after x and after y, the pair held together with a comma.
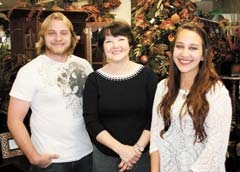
x: 83, y: 165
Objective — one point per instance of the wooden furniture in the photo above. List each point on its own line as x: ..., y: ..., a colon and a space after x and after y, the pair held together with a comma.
x: 25, y: 24
x: 234, y: 93
x: 232, y: 162
x: 94, y: 56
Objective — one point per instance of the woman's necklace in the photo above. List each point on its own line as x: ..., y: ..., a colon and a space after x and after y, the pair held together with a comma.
x: 185, y: 93
x: 121, y: 69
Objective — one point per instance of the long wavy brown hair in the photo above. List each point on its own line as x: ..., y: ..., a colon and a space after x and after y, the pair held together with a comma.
x: 196, y: 102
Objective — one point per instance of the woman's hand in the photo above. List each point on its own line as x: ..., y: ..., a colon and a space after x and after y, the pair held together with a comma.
x: 129, y: 156
x: 123, y: 166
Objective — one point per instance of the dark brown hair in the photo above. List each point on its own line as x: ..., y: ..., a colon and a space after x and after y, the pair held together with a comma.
x: 116, y: 28
x: 196, y: 101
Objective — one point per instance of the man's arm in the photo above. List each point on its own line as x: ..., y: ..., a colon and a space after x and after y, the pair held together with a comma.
x: 17, y: 111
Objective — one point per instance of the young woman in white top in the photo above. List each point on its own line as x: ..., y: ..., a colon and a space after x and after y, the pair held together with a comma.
x: 191, y: 111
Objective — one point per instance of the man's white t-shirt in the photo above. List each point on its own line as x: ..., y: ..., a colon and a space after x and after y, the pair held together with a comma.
x: 54, y: 91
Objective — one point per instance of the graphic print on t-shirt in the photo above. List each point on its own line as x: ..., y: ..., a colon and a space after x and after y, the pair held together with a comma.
x: 71, y: 80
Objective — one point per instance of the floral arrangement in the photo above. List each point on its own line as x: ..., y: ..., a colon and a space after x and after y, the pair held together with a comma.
x: 224, y: 38
x: 99, y: 9
x: 111, y: 4
x: 218, y: 41
x: 231, y: 32
x: 154, y: 24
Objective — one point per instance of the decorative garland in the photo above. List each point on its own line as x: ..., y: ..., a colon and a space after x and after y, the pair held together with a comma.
x: 99, y: 9
x: 111, y: 4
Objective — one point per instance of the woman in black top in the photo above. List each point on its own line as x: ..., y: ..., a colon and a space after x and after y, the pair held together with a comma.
x: 117, y: 105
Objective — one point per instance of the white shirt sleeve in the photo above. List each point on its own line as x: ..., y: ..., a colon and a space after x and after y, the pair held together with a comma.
x: 25, y: 84
x: 157, y: 122
x: 218, y: 124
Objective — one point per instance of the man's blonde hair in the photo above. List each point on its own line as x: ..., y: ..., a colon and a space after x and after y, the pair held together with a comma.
x: 40, y: 45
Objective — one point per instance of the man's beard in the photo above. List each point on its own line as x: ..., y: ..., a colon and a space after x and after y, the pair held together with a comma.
x: 65, y: 50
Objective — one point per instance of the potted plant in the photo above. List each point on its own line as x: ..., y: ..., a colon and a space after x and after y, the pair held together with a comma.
x: 9, y: 63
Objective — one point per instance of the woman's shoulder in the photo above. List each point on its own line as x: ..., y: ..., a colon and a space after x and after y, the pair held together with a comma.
x: 93, y: 74
x: 162, y: 85
x: 148, y: 72
x: 218, y: 89
x: 147, y: 69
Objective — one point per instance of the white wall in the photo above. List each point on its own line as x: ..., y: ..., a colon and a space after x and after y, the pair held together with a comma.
x: 123, y: 11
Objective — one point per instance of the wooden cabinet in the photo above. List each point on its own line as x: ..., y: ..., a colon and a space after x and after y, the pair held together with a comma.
x: 233, y: 158
x: 23, y: 33
x: 25, y: 24
x: 94, y: 56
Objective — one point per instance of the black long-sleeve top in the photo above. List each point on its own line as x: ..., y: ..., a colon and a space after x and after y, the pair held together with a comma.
x: 120, y: 105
